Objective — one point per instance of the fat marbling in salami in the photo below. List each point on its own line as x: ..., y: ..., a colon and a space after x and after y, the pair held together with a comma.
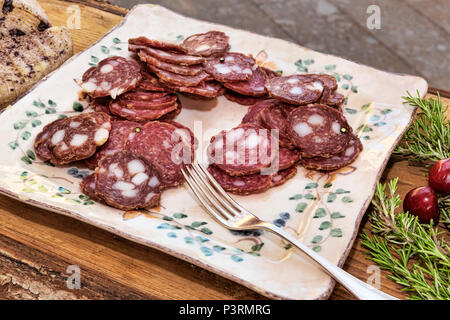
x: 111, y: 77
x: 243, y: 150
x: 318, y: 130
x: 211, y: 43
x: 233, y: 66
x: 126, y: 181
x: 74, y: 138
x: 253, y: 87
x: 161, y: 145
x: 295, y: 89
x: 117, y: 137
x: 340, y: 160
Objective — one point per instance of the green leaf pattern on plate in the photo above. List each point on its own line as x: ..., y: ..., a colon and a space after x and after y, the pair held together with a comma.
x: 32, y: 185
x: 198, y: 232
x: 318, y: 197
x: 107, y: 50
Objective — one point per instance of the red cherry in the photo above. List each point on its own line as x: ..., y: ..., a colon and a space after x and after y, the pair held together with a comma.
x: 423, y: 203
x: 439, y: 178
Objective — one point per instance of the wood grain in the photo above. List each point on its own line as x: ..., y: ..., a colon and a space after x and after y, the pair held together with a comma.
x: 94, y: 21
x: 37, y: 246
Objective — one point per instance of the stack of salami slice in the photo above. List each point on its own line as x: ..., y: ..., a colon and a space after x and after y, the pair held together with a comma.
x: 201, y: 67
x: 320, y: 133
x: 316, y: 136
x: 123, y: 89
x: 181, y: 67
x: 246, y: 160
x: 243, y: 79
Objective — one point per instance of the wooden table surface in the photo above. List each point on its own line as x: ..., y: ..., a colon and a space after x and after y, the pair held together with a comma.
x: 37, y: 246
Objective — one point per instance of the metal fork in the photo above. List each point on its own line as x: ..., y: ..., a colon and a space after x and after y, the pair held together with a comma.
x: 233, y: 216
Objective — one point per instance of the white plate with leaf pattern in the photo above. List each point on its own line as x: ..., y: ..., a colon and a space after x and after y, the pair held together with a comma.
x: 322, y: 210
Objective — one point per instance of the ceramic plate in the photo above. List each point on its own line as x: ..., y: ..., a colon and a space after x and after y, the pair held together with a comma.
x: 322, y: 210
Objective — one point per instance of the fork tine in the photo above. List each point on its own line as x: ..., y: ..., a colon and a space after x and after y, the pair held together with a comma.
x: 200, y: 185
x: 220, y: 189
x: 196, y: 192
x: 214, y: 192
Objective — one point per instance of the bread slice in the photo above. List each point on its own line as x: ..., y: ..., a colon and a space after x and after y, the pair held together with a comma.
x: 25, y: 59
x: 21, y: 17
x: 10, y: 80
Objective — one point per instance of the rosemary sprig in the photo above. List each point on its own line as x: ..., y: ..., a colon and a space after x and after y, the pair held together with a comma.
x: 417, y: 255
x: 428, y: 137
x: 444, y: 207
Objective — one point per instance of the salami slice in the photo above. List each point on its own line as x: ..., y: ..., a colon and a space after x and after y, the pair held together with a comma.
x: 101, y: 105
x: 126, y: 181
x: 250, y: 184
x: 343, y: 159
x: 329, y: 82
x: 140, y: 114
x: 282, y: 176
x: 211, y: 43
x: 167, y: 56
x: 143, y: 95
x: 329, y: 87
x: 207, y: 89
x: 177, y: 79
x: 318, y: 130
x: 154, y: 104
x: 161, y: 145
x: 233, y: 66
x: 111, y: 77
x: 253, y: 114
x: 151, y: 83
x: 74, y: 138
x: 172, y: 114
x: 144, y: 41
x: 174, y: 68
x: 80, y: 137
x: 117, y: 138
x: 287, y: 158
x: 335, y: 99
x: 87, y: 186
x: 242, y: 185
x: 244, y: 150
x: 41, y: 142
x: 253, y: 87
x: 295, y: 89
x: 274, y: 117
x: 186, y: 134
x: 241, y: 99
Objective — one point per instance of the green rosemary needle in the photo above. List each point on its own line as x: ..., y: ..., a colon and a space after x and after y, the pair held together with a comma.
x: 428, y: 137
x: 416, y: 255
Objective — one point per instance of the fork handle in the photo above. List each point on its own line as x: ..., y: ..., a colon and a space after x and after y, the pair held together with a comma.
x: 358, y: 288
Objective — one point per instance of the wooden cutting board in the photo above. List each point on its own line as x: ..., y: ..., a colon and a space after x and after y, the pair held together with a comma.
x: 37, y: 247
